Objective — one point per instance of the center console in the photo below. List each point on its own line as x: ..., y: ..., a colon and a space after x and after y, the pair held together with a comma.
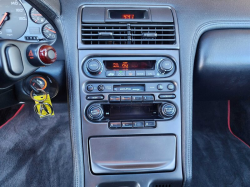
x: 130, y: 96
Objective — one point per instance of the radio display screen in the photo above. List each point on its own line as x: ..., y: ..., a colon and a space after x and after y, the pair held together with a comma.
x: 130, y: 65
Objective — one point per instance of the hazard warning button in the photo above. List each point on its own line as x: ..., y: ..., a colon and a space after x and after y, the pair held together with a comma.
x: 41, y: 55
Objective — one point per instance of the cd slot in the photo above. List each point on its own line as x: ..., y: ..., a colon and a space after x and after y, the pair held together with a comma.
x: 131, y: 111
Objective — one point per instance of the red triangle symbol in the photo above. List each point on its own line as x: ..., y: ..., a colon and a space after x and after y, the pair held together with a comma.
x: 31, y: 53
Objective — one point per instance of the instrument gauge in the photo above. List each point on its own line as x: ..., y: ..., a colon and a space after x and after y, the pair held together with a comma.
x: 49, y: 32
x: 13, y: 19
x: 36, y: 16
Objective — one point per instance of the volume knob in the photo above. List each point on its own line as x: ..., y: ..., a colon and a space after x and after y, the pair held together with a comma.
x: 168, y: 110
x: 165, y: 65
x: 95, y: 112
x: 94, y: 66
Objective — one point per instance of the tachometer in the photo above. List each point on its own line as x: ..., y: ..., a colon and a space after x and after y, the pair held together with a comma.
x: 49, y: 32
x: 36, y: 16
x: 13, y: 19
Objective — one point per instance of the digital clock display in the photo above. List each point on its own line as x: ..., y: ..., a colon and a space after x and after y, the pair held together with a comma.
x: 128, y: 16
x: 130, y: 65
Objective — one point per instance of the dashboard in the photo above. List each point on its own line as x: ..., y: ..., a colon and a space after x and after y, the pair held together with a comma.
x: 20, y: 21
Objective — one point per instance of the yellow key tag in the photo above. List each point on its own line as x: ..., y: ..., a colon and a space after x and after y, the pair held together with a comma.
x: 43, y: 108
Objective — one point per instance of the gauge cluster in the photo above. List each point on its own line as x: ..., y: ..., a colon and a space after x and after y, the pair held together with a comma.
x: 20, y: 21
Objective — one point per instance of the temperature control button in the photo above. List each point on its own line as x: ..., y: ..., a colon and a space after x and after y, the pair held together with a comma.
x: 110, y: 73
x: 165, y: 65
x: 94, y: 66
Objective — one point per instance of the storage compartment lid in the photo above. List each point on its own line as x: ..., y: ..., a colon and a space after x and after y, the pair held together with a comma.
x: 132, y: 154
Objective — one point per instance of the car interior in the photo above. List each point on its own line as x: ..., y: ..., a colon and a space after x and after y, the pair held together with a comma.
x: 136, y: 93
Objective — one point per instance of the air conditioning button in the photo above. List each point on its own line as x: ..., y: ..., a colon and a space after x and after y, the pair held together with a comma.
x: 165, y: 65
x: 94, y: 67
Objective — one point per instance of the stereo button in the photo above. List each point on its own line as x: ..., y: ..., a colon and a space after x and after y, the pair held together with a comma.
x: 127, y: 125
x: 125, y: 98
x: 115, y: 125
x: 138, y: 124
x: 95, y: 97
x: 148, y: 98
x: 150, y: 124
x: 90, y: 88
x: 114, y: 98
x: 101, y: 88
x: 167, y: 96
x: 160, y: 87
x: 171, y: 86
x: 137, y: 98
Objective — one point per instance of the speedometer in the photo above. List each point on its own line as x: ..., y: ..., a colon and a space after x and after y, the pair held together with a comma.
x: 13, y: 19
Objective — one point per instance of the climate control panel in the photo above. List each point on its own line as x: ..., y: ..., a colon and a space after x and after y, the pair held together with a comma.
x: 129, y: 67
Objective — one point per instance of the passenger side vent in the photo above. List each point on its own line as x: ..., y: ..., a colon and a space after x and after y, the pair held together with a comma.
x: 129, y: 34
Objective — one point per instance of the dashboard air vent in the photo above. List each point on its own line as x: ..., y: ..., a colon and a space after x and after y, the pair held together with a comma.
x: 129, y: 34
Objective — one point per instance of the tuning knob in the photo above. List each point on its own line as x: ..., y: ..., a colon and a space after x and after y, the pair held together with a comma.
x: 95, y: 112
x: 168, y: 110
x: 94, y: 66
x: 165, y: 65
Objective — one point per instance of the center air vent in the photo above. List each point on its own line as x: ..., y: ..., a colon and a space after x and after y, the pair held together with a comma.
x: 129, y: 34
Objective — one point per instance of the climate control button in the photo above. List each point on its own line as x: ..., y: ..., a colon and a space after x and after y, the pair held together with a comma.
x: 94, y: 66
x: 165, y: 65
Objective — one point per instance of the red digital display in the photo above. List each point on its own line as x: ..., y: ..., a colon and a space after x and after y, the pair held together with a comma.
x: 130, y: 65
x: 128, y: 16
